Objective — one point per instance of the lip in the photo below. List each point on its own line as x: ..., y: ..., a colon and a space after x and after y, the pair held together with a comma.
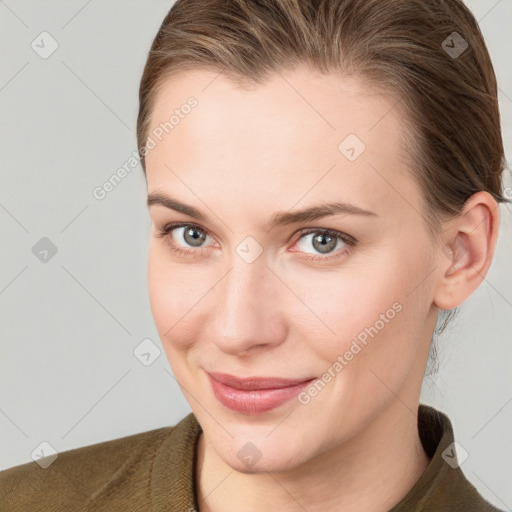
x: 254, y: 395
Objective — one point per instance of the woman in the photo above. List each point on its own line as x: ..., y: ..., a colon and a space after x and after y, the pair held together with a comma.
x: 323, y: 181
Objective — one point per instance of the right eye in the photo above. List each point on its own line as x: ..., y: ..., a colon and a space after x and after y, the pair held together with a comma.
x: 176, y: 233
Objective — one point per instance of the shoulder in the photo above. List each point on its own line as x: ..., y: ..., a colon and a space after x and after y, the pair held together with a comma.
x: 75, y: 476
x: 466, y: 495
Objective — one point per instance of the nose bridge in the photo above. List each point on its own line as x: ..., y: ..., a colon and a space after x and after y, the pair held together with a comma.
x: 245, y: 309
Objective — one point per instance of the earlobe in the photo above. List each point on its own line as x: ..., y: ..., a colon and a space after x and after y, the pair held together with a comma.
x: 468, y: 250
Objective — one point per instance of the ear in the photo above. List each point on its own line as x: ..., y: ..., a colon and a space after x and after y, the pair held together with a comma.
x: 467, y: 250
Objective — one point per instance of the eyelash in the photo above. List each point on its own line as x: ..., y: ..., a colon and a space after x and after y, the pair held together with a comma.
x: 346, y: 239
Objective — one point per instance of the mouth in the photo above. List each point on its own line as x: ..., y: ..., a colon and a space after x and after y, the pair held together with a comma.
x: 254, y: 395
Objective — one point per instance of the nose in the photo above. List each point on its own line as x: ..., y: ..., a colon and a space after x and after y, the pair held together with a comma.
x: 247, y: 313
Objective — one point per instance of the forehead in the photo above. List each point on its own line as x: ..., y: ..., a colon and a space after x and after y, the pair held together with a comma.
x: 302, y: 98
x: 300, y: 131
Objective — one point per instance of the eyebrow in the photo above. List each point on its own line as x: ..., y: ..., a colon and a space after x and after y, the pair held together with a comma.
x: 279, y: 219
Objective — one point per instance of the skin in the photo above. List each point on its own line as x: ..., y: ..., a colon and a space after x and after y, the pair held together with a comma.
x: 239, y: 157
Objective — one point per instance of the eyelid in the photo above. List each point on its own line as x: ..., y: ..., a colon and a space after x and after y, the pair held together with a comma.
x: 298, y: 234
x: 331, y: 232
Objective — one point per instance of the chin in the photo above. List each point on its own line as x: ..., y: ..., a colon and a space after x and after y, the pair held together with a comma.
x: 273, y: 466
x: 271, y: 459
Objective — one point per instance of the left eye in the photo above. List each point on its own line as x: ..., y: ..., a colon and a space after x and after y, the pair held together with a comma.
x: 322, y: 241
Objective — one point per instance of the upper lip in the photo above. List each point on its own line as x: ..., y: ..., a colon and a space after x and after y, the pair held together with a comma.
x: 251, y: 383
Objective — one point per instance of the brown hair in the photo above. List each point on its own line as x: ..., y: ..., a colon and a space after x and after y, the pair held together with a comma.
x: 444, y: 83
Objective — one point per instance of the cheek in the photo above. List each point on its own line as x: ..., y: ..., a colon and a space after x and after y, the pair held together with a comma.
x: 165, y: 288
x: 177, y: 296
x: 378, y: 324
x: 160, y: 292
x: 374, y: 313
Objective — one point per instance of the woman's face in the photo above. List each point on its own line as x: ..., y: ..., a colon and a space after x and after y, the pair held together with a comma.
x: 245, y: 297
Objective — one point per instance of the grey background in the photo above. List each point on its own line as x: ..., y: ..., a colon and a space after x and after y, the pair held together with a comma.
x: 70, y: 325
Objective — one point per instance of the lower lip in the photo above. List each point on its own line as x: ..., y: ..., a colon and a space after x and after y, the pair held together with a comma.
x: 254, y: 401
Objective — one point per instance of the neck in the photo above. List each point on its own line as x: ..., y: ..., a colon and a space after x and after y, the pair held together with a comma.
x: 372, y: 471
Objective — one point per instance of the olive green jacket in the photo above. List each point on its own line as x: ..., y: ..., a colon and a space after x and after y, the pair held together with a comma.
x: 155, y: 471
